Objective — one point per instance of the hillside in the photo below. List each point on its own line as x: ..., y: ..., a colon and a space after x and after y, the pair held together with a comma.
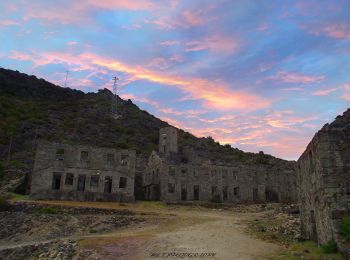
x: 32, y: 109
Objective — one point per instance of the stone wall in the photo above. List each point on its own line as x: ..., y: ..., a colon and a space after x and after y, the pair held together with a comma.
x: 176, y: 176
x: 76, y: 172
x: 323, y: 179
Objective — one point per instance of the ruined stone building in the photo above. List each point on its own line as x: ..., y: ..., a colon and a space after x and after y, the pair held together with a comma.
x: 174, y: 176
x: 323, y: 178
x: 77, y: 172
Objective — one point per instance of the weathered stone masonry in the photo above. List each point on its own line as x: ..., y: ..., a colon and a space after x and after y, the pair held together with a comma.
x: 169, y: 177
x: 323, y: 178
x: 77, y: 172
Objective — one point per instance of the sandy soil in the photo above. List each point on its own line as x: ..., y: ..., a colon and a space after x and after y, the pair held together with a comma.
x: 182, y: 233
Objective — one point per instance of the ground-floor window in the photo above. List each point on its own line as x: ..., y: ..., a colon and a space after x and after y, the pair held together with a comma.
x: 81, y: 183
x: 171, y: 187
x: 122, y: 182
x: 196, y: 192
x: 183, y: 192
x: 108, y: 184
x: 56, y: 181
x: 214, y: 190
x: 224, y: 193
x: 94, y: 180
x: 69, y: 179
x: 236, y: 191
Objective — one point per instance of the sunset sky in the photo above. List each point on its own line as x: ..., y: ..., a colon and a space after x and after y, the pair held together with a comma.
x: 259, y: 75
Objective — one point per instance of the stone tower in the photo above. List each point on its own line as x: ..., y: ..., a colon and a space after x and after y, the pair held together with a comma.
x: 168, y: 140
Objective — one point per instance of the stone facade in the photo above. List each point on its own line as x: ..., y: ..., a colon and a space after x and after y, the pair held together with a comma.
x: 323, y: 178
x: 172, y: 176
x: 77, y: 172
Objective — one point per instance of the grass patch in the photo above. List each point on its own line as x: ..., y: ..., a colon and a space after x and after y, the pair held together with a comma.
x: 305, y: 250
x: 2, y: 169
x: 4, y: 205
x: 49, y: 211
x: 16, y: 197
x: 345, y: 228
x: 152, y: 204
x: 330, y: 247
x: 92, y: 231
x: 216, y: 199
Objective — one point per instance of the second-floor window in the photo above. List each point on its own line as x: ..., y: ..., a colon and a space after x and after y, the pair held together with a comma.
x: 60, y: 154
x: 124, y: 159
x: 84, y: 156
x: 110, y: 159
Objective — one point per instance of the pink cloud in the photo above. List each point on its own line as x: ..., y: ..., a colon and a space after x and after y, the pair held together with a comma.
x: 292, y: 77
x: 336, y: 31
x: 324, y: 92
x: 168, y: 43
x: 346, y: 95
x: 193, y: 18
x: 216, y: 43
x: 76, y: 12
x: 216, y: 95
x: 8, y: 22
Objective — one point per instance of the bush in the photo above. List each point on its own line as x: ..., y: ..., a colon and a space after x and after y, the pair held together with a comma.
x: 4, y: 205
x: 330, y: 247
x: 345, y: 228
x: 49, y: 211
x: 216, y: 199
x: 2, y: 169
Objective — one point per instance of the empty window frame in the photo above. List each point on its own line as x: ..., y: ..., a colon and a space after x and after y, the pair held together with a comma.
x: 196, y: 192
x: 195, y: 173
x: 56, y: 181
x: 224, y: 174
x: 183, y: 171
x: 110, y: 158
x: 60, y: 154
x: 94, y: 181
x: 124, y: 159
x: 69, y: 179
x: 172, y: 171
x: 214, y: 190
x: 81, y: 183
x: 171, y: 187
x: 236, y: 191
x: 108, y: 184
x: 122, y: 182
x: 225, y: 193
x: 84, y: 156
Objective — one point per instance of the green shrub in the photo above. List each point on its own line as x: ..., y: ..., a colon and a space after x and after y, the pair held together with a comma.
x: 49, y: 211
x: 4, y: 205
x: 2, y: 170
x: 92, y: 230
x: 345, y: 228
x: 216, y: 199
x: 330, y: 247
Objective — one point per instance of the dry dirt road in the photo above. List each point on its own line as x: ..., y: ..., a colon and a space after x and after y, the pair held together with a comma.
x: 181, y: 233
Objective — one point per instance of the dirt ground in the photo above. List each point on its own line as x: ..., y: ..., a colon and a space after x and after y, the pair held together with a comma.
x: 165, y: 232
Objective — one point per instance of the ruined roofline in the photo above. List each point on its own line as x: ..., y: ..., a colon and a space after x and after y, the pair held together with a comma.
x: 326, y: 128
x: 84, y: 146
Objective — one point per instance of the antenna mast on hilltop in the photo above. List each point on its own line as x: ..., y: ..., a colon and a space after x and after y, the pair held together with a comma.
x: 115, y: 97
x: 65, y: 82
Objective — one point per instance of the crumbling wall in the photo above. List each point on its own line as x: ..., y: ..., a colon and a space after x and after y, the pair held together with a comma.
x: 323, y: 178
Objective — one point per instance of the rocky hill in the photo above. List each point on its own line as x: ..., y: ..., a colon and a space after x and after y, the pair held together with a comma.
x: 32, y: 109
